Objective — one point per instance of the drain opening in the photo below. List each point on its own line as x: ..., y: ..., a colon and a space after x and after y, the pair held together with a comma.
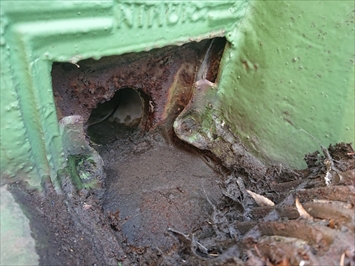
x: 123, y: 112
x: 159, y: 83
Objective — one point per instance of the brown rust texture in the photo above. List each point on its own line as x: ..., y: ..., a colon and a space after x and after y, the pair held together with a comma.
x: 164, y: 77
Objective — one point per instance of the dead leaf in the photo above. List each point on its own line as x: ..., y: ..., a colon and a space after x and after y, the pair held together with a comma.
x: 303, y: 213
x: 284, y: 262
x: 331, y: 224
x: 86, y: 206
x: 261, y: 200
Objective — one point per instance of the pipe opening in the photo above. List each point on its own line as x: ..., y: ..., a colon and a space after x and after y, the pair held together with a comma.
x: 123, y: 112
x: 128, y: 104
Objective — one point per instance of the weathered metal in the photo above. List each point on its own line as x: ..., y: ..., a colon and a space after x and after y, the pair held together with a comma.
x: 164, y: 78
x: 285, y: 81
x: 36, y: 35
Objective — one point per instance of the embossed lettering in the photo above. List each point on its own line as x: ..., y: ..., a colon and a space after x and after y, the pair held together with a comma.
x: 160, y: 14
x: 173, y: 14
x: 155, y: 14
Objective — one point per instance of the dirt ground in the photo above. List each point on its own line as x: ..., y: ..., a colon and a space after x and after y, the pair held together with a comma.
x: 163, y: 202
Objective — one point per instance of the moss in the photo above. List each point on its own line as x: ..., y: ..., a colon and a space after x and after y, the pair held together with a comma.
x: 81, y: 169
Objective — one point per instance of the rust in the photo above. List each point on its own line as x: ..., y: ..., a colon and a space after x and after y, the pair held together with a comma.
x: 163, y: 77
x: 245, y: 64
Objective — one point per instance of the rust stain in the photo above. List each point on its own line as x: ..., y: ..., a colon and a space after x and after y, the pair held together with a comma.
x: 164, y: 77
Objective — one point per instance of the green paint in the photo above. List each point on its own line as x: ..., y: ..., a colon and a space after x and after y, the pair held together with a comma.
x: 289, y: 74
x: 14, y: 146
x: 288, y: 66
x: 34, y: 34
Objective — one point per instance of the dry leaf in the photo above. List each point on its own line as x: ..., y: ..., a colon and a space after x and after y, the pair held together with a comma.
x: 284, y: 262
x: 303, y: 213
x: 86, y: 206
x: 261, y: 200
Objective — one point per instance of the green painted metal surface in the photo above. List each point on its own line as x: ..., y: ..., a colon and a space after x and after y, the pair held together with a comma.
x: 288, y: 69
x: 287, y: 81
x: 34, y: 34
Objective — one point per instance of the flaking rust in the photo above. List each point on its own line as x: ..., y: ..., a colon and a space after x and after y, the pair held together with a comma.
x: 163, y: 77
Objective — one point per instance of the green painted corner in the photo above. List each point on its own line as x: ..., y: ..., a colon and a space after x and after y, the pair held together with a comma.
x: 34, y: 34
x: 287, y: 79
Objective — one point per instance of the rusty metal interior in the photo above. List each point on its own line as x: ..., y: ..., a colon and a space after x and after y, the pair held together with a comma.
x: 152, y: 186
x: 163, y: 78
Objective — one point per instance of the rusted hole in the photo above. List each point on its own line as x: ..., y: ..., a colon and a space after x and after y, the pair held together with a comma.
x: 164, y: 77
x: 125, y: 107
x: 128, y: 104
x: 126, y: 110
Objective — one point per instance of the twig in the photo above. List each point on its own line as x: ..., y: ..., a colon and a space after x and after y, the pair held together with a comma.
x: 342, y: 259
x: 329, y: 162
x: 197, y: 245
x: 303, y: 213
x: 257, y: 251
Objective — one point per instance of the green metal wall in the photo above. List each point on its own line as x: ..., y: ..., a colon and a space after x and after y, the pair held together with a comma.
x: 287, y: 83
x: 34, y: 34
x: 289, y: 66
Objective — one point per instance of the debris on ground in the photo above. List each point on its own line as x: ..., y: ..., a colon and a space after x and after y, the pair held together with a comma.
x: 161, y: 204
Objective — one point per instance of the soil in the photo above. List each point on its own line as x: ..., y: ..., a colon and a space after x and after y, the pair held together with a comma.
x: 163, y: 202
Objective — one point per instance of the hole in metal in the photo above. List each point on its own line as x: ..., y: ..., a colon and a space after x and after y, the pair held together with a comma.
x: 124, y: 111
x: 125, y: 107
x: 129, y: 103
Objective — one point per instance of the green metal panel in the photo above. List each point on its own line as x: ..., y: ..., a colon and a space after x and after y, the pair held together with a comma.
x: 287, y: 83
x: 287, y: 69
x: 34, y: 34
